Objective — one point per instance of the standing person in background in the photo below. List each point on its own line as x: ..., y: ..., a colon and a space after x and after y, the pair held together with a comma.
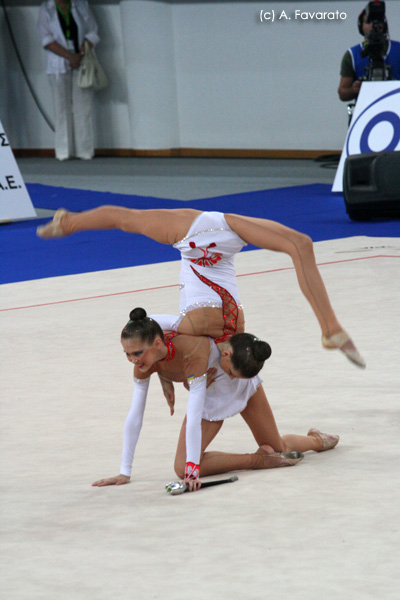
x: 64, y: 26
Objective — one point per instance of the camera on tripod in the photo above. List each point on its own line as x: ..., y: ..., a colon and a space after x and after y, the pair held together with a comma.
x: 376, y: 46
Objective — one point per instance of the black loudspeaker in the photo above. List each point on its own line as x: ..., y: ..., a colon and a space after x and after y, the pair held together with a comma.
x: 371, y: 185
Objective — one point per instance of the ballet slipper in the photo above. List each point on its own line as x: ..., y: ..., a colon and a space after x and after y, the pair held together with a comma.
x: 272, y: 459
x: 53, y: 229
x: 343, y: 342
x: 329, y: 441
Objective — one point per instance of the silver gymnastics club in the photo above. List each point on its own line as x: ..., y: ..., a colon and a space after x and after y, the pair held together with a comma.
x: 177, y: 487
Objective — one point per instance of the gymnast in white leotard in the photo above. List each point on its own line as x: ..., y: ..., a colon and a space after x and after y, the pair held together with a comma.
x: 209, y: 247
x: 184, y: 228
x: 187, y: 358
x: 224, y: 398
x: 207, y: 274
x: 208, y: 280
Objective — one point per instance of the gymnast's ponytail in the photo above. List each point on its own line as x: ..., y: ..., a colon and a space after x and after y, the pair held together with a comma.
x: 249, y: 354
x: 142, y: 327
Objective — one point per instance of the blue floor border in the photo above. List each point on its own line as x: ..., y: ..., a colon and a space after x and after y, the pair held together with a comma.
x: 311, y: 209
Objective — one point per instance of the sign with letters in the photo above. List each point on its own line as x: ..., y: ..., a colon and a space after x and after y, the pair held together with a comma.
x: 375, y: 125
x: 15, y: 202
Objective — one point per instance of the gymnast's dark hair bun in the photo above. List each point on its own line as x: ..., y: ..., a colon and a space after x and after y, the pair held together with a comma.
x: 142, y: 327
x: 137, y: 314
x: 249, y: 354
x: 261, y: 350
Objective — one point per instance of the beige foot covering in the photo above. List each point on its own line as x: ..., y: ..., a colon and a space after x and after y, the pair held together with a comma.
x: 343, y: 342
x: 329, y: 441
x: 53, y: 229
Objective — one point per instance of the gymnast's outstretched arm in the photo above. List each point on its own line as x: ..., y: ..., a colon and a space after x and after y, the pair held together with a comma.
x: 132, y: 428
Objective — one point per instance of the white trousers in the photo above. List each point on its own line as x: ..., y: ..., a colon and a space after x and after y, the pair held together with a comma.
x: 73, y: 116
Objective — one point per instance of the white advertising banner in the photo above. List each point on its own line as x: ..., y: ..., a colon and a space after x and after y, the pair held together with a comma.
x: 15, y: 202
x: 375, y: 125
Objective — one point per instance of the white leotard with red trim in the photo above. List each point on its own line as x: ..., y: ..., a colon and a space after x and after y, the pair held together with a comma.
x: 224, y: 398
x: 210, y: 247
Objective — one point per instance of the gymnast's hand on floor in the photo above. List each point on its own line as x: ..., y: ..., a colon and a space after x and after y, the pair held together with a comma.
x: 118, y: 480
x: 194, y: 484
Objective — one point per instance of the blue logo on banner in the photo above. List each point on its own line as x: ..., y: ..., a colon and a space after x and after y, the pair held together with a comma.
x: 385, y: 116
x: 389, y: 117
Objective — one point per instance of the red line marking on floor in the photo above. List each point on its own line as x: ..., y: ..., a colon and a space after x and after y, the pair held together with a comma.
x: 162, y: 287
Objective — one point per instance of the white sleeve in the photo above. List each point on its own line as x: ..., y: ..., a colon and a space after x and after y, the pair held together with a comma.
x: 167, y: 322
x: 197, y: 396
x: 46, y: 35
x: 133, y: 424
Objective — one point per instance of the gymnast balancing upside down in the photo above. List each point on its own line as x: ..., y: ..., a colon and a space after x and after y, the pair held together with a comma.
x: 209, y: 241
x: 181, y: 358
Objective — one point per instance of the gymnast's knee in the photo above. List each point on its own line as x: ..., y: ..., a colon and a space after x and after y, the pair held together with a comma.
x: 179, y: 467
x: 304, y: 244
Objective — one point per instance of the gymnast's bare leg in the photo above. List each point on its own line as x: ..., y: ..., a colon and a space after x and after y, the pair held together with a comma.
x: 271, y: 235
x: 274, y: 451
x: 214, y: 463
x: 170, y: 226
x: 260, y: 419
x: 166, y: 226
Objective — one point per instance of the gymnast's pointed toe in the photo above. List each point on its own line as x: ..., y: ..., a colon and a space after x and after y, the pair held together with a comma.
x: 328, y: 441
x: 343, y: 342
x: 53, y: 229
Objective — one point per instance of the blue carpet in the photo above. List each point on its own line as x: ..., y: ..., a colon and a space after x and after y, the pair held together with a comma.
x: 312, y: 209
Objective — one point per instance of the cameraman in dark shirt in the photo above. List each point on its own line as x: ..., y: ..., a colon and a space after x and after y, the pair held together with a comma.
x: 377, y: 58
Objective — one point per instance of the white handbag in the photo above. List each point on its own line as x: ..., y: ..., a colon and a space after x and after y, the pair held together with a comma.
x: 91, y: 73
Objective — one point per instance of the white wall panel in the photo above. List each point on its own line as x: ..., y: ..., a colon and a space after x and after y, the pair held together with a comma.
x: 150, y: 74
x: 112, y: 115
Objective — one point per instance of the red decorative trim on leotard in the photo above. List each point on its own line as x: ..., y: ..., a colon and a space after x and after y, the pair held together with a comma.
x: 209, y: 258
x: 170, y: 346
x: 229, y: 308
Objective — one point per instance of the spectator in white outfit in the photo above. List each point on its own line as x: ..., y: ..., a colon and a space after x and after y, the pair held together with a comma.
x: 64, y: 25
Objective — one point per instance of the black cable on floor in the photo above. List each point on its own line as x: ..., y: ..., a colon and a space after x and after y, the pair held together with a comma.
x: 328, y: 161
x: 32, y: 91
